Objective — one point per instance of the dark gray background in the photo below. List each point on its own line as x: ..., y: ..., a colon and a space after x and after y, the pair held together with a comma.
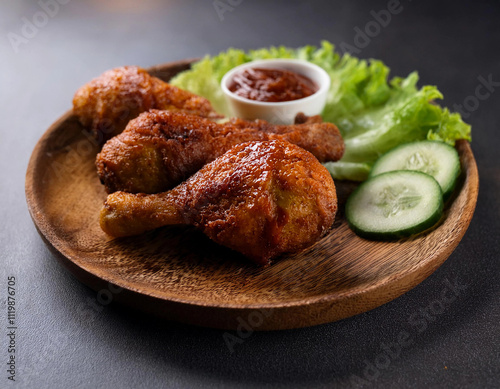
x: 65, y: 339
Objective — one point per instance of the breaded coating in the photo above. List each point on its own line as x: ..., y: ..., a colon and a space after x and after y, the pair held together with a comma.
x: 107, y: 103
x: 160, y: 149
x: 259, y: 198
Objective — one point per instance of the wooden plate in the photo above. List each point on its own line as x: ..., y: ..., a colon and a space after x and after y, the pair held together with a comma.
x: 178, y: 273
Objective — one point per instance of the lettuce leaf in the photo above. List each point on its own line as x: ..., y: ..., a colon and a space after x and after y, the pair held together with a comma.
x: 372, y: 113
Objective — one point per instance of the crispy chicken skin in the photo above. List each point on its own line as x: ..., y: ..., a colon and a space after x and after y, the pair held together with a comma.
x: 160, y: 149
x: 259, y: 198
x: 107, y: 103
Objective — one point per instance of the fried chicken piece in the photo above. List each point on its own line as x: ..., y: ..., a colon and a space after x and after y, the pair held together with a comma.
x: 107, y: 103
x: 259, y: 198
x: 160, y: 149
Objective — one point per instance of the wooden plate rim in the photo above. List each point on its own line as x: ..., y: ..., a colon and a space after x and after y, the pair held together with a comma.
x: 76, y: 265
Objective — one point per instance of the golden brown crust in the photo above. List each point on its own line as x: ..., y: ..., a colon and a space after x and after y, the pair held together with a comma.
x: 160, y: 149
x: 107, y: 103
x: 260, y: 198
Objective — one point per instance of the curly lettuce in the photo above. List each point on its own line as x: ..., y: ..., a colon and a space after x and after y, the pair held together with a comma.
x: 373, y: 113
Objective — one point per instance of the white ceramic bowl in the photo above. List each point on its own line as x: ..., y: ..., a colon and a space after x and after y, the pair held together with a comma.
x: 280, y: 112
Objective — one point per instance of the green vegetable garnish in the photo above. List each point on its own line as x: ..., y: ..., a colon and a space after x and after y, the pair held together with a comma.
x: 372, y: 113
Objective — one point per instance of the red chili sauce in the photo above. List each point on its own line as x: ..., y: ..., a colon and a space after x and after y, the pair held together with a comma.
x: 271, y: 85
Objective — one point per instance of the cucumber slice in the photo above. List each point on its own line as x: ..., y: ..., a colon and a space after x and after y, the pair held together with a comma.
x: 437, y: 159
x: 394, y: 205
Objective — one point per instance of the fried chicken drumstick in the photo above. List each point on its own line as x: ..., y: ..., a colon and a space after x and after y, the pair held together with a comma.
x: 160, y: 149
x: 107, y: 103
x: 259, y: 198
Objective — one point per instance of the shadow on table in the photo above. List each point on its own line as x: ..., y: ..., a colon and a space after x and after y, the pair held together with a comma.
x: 374, y: 346
x: 357, y: 350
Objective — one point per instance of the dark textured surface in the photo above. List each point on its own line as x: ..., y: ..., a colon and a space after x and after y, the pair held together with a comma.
x: 65, y: 338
